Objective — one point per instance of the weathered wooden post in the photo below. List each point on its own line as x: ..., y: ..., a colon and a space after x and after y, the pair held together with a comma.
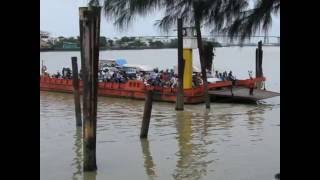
x: 90, y: 32
x: 180, y: 94
x: 259, y: 72
x: 146, y: 115
x: 76, y: 91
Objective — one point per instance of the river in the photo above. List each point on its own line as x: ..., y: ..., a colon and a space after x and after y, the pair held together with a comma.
x: 230, y: 141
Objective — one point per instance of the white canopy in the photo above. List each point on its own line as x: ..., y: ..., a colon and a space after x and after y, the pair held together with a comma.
x: 140, y: 67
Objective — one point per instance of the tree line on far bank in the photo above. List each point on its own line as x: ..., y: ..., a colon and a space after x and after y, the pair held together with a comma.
x: 117, y: 43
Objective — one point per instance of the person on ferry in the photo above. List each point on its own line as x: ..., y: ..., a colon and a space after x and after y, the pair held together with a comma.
x: 120, y: 78
x: 230, y: 76
x: 113, y: 77
x: 194, y: 81
x: 171, y: 74
x: 58, y: 75
x: 108, y: 75
x: 153, y: 77
x: 100, y: 76
x: 225, y: 75
x: 139, y: 77
x: 200, y: 81
x: 250, y: 74
x: 69, y: 73
x: 221, y: 77
x: 208, y: 71
x: 154, y: 74
x: 217, y: 74
x: 251, y: 85
x: 63, y: 72
x: 173, y: 81
x: 44, y: 71
x: 125, y: 76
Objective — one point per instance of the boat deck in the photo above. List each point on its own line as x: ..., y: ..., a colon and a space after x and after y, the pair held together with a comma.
x: 242, y: 93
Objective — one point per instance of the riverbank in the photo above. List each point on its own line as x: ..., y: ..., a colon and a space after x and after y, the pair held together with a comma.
x: 103, y: 49
x: 137, y: 48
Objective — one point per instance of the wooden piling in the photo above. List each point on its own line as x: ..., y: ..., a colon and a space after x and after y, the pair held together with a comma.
x: 180, y: 93
x: 76, y: 91
x: 81, y: 24
x: 146, y: 115
x: 90, y: 32
x: 259, y: 55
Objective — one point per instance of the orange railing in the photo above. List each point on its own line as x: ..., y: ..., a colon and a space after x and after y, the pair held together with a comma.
x: 136, y: 85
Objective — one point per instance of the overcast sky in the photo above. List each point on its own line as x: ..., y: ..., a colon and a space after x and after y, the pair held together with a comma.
x: 61, y: 18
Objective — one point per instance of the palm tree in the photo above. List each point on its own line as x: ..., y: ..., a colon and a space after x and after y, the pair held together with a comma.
x: 210, y: 12
x: 250, y: 21
x: 197, y: 9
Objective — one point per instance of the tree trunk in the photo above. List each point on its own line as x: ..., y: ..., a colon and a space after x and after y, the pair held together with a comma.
x: 202, y: 62
x: 180, y: 93
x: 208, y: 54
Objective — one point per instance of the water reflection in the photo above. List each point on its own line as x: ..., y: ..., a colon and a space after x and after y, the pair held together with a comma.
x: 192, y: 155
x: 148, y: 162
x: 224, y: 122
x: 255, y: 118
x: 255, y: 122
x: 206, y: 118
x: 77, y: 160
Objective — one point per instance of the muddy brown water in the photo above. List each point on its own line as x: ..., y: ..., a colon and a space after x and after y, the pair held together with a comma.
x: 230, y: 141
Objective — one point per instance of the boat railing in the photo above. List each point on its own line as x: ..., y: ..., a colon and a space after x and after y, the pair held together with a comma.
x: 248, y: 82
x: 137, y: 85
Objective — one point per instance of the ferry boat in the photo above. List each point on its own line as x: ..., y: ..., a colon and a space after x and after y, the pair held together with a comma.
x: 136, y: 89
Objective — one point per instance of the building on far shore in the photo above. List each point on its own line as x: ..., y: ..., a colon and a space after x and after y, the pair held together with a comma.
x: 162, y: 39
x: 44, y: 39
x: 69, y: 45
x: 44, y: 35
x: 144, y: 40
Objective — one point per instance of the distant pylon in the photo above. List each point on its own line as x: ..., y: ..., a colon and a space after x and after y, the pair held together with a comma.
x: 266, y: 39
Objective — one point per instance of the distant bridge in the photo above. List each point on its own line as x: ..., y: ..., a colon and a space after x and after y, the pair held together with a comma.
x: 224, y: 40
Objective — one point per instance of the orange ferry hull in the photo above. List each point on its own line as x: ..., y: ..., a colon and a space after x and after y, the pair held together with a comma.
x: 136, y: 89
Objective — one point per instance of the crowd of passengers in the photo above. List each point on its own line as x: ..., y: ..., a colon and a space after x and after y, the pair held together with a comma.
x: 225, y: 76
x: 163, y: 78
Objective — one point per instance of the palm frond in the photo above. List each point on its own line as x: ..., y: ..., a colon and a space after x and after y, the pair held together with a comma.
x: 123, y: 12
x: 251, y: 21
